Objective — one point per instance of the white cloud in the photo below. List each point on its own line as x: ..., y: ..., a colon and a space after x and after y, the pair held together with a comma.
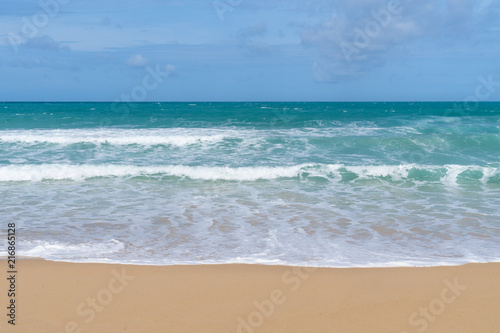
x: 171, y: 69
x: 43, y: 42
x: 137, y: 61
x: 360, y: 34
x: 251, y: 39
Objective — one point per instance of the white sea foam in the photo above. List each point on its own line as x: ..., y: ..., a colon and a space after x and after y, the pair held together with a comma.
x: 396, y: 172
x: 30, y: 172
x: 113, y: 251
x: 64, y: 251
x: 81, y: 172
x: 147, y: 137
x: 177, y: 136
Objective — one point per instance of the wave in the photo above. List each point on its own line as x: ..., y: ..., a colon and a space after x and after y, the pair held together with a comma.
x: 447, y: 174
x: 402, y: 138
x: 183, y: 136
x: 173, y: 137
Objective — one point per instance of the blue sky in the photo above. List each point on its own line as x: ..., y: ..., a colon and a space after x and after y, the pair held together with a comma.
x: 249, y: 50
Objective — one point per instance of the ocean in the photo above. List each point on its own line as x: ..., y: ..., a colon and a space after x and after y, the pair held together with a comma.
x: 312, y: 184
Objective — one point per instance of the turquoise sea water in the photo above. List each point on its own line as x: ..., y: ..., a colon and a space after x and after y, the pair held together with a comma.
x: 322, y: 184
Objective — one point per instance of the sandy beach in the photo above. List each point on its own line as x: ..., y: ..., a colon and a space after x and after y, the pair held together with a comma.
x: 67, y: 297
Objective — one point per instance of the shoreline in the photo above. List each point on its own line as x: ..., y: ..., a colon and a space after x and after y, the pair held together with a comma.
x: 81, y: 297
x: 280, y: 264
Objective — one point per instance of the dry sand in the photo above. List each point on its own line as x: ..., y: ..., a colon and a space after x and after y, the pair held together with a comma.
x: 65, y: 297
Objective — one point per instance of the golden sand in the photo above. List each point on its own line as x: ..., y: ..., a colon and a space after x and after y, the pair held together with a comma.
x: 66, y: 297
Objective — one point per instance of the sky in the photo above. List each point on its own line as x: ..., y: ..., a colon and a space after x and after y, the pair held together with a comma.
x: 249, y: 50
